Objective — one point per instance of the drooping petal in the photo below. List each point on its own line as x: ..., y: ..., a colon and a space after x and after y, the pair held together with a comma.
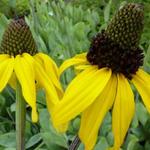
x: 80, y: 68
x: 77, y: 60
x: 4, y: 57
x: 51, y: 69
x: 46, y: 83
x: 93, y: 116
x: 52, y: 98
x: 142, y: 82
x: 81, y: 93
x: 24, y: 70
x: 6, y: 70
x: 81, y: 56
x: 12, y: 81
x: 123, y: 111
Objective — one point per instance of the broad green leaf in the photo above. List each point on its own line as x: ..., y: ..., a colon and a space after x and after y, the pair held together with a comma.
x: 50, y: 136
x: 110, y: 138
x: 33, y: 140
x: 54, y: 142
x: 44, y: 120
x: 102, y: 144
x: 107, y: 11
x: 147, y: 58
x: 147, y: 145
x: 8, y: 140
x: 142, y: 113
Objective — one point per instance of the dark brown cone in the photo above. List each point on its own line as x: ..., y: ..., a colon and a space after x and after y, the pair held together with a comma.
x: 105, y: 53
x: 117, y: 47
x: 126, y: 26
x: 18, y: 39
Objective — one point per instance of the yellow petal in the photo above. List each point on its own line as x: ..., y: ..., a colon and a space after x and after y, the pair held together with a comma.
x: 81, y: 93
x: 47, y: 62
x: 4, y: 57
x: 12, y: 81
x: 6, y: 70
x: 46, y: 83
x: 51, y: 69
x: 80, y: 68
x: 24, y: 70
x: 123, y: 111
x: 81, y: 56
x: 93, y: 116
x: 77, y: 60
x: 142, y: 82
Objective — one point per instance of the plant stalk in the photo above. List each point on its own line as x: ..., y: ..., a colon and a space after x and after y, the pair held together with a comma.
x: 20, y: 118
x: 75, y: 144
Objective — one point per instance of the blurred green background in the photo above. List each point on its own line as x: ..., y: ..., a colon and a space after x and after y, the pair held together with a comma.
x: 61, y: 30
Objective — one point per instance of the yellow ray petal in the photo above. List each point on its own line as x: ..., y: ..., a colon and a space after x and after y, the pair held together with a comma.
x: 6, y: 70
x: 4, y: 57
x: 77, y: 60
x: 81, y: 56
x: 93, y: 116
x: 12, y: 81
x: 80, y: 68
x: 123, y: 111
x: 142, y: 82
x: 51, y: 69
x: 61, y: 128
x: 47, y: 61
x: 25, y: 74
x: 81, y: 92
x: 46, y: 83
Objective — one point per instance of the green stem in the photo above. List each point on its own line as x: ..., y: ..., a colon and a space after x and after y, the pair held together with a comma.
x: 75, y: 144
x: 20, y: 118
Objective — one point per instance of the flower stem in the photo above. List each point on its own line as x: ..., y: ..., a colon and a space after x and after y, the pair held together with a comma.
x: 75, y: 143
x: 20, y: 118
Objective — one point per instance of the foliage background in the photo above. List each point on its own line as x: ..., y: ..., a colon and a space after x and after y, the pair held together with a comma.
x: 62, y: 29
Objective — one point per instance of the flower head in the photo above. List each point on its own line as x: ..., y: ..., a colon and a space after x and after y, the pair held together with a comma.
x: 20, y: 60
x: 106, y: 71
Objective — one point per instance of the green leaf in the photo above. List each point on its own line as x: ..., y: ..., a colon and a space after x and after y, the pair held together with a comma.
x: 142, y: 113
x: 50, y: 136
x: 147, y: 145
x: 2, y: 101
x: 76, y: 123
x: 33, y: 140
x: 147, y: 58
x: 135, y: 122
x: 102, y: 144
x: 10, y: 149
x: 79, y: 30
x: 54, y: 141
x: 8, y: 140
x: 107, y: 11
x: 132, y: 142
x: 13, y: 107
x: 44, y: 119
x: 106, y: 125
x: 110, y: 138
x: 81, y: 147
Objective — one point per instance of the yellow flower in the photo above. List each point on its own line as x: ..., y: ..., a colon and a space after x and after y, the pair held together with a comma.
x: 19, y: 60
x: 93, y: 92
x: 103, y: 83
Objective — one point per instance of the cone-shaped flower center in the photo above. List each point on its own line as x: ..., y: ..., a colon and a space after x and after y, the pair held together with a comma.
x: 117, y: 46
x: 18, y: 39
